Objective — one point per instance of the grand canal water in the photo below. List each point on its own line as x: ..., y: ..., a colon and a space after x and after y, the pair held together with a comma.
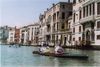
x: 23, y: 57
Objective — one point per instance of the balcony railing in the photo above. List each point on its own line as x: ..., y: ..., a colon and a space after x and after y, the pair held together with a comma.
x: 65, y: 31
x: 86, y: 19
x: 48, y: 32
x: 48, y: 23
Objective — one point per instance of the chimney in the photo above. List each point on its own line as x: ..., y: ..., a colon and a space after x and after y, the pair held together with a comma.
x: 53, y: 4
x: 68, y: 1
x: 47, y: 9
x: 15, y: 27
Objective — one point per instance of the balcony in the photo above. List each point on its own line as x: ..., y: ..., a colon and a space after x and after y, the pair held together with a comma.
x: 47, y: 23
x: 97, y: 16
x: 65, y: 31
x: 22, y: 37
x: 86, y: 19
x: 48, y: 20
x: 48, y: 32
x: 40, y: 36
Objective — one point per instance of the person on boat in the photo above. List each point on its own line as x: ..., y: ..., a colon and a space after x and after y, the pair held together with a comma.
x: 44, y: 48
x: 58, y: 49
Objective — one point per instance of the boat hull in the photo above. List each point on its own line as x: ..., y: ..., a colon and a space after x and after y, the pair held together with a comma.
x: 66, y: 55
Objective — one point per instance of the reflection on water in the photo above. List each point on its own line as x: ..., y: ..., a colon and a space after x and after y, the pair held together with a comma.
x: 23, y: 57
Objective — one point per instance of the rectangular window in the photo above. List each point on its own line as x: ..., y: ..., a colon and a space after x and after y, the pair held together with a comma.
x: 73, y: 39
x: 98, y: 8
x: 69, y: 25
x: 98, y: 37
x: 74, y: 18
x: 54, y: 17
x: 79, y: 28
x: 80, y: 16
x: 70, y: 38
x: 79, y: 1
x: 11, y: 33
x: 63, y: 6
x: 73, y: 30
x: 70, y: 14
x: 63, y: 15
x: 98, y: 24
x: 58, y: 15
x: 94, y: 8
x: 79, y: 38
x: 74, y: 1
x: 90, y: 9
x: 86, y: 10
x: 83, y: 11
x: 53, y: 27
x: 57, y: 25
x: 62, y: 26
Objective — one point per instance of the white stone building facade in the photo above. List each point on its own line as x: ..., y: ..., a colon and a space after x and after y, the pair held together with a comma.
x: 54, y: 23
x: 33, y: 31
x: 11, y: 37
x: 86, y: 22
x: 23, y: 35
x: 29, y: 34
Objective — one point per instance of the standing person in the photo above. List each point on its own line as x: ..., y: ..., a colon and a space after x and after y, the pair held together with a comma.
x: 58, y: 49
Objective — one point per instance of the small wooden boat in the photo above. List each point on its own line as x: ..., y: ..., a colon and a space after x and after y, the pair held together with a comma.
x: 65, y: 55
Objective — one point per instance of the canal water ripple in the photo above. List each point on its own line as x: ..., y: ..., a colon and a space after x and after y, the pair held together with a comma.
x: 23, y: 57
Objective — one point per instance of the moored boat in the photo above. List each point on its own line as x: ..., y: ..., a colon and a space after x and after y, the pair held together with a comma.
x: 65, y: 55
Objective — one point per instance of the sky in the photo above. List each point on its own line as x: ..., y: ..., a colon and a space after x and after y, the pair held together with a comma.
x: 22, y: 12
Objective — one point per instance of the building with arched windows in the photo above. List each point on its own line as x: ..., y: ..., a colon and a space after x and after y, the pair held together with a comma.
x: 54, y: 23
x: 86, y: 22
